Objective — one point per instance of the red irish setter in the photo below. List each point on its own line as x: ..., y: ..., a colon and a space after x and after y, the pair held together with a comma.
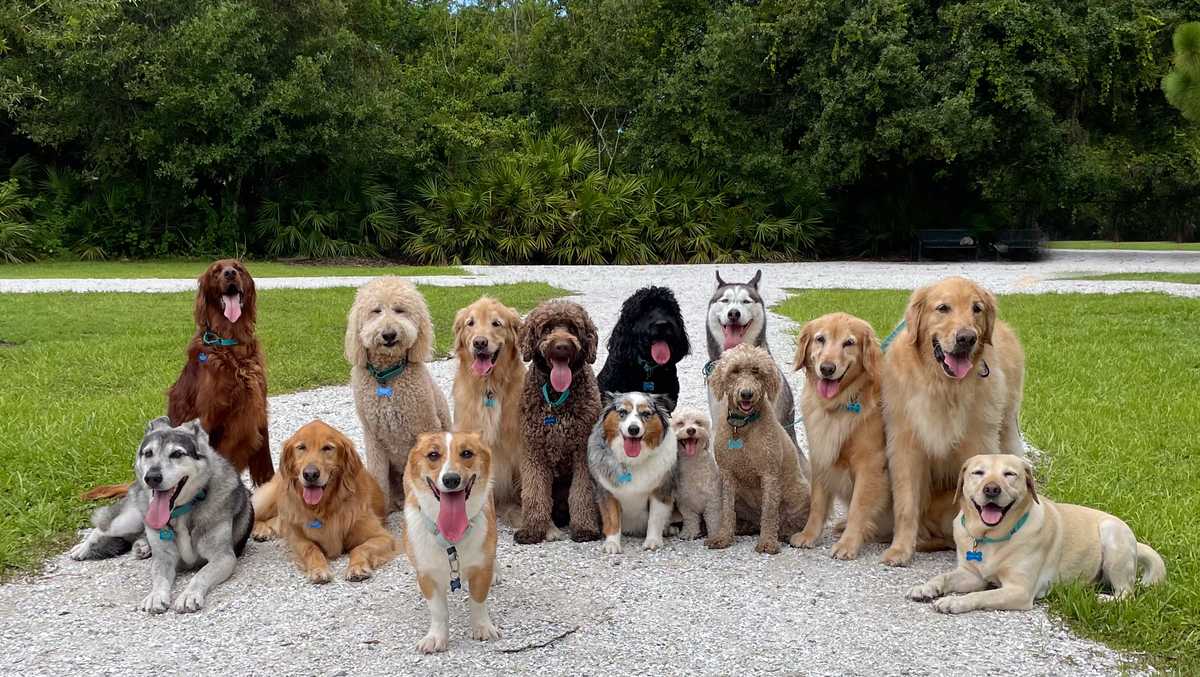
x: 224, y: 382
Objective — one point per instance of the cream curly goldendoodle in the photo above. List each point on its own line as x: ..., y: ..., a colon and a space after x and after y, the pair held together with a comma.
x: 389, y: 338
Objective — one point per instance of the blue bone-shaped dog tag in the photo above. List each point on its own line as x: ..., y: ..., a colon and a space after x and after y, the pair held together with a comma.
x: 550, y: 420
x: 625, y: 477
x: 202, y: 357
x: 854, y: 407
x: 383, y: 391
x: 166, y: 534
x: 735, y: 443
x: 489, y: 402
x: 647, y: 386
x: 974, y: 556
x: 315, y: 524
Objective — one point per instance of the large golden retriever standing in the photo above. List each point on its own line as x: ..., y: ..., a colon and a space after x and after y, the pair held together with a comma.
x: 952, y: 383
x: 487, y: 393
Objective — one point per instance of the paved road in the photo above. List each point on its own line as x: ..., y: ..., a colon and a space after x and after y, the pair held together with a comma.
x: 565, y: 607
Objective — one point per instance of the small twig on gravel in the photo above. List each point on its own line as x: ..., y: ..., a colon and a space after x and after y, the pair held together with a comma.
x: 546, y: 643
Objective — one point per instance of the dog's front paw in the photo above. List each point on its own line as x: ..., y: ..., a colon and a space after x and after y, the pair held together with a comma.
x: 80, y: 552
x: 189, y: 602
x: 156, y: 602
x: 612, y: 546
x: 952, y: 605
x: 652, y: 543
x: 897, y: 556
x: 320, y: 576
x: 767, y: 546
x: 804, y: 539
x: 433, y: 642
x: 141, y: 549
x: 358, y: 572
x: 585, y: 535
x: 527, y: 536
x: 923, y: 593
x: 718, y: 542
x: 484, y: 631
x: 846, y: 548
x: 264, y: 530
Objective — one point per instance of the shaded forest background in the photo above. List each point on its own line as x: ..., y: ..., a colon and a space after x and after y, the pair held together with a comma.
x: 584, y: 131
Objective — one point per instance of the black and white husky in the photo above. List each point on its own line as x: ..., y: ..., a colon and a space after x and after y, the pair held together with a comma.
x: 193, y: 508
x: 736, y: 315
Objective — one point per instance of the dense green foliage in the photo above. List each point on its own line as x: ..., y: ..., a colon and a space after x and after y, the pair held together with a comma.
x: 583, y: 130
x: 1182, y: 84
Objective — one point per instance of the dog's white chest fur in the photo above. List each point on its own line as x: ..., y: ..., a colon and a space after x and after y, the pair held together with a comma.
x: 645, y: 477
x: 430, y: 555
x: 183, y: 543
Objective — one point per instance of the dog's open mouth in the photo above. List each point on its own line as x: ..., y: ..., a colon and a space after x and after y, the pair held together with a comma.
x: 688, y: 446
x: 560, y: 375
x: 956, y: 365
x: 747, y: 406
x: 660, y: 352
x: 452, y: 519
x: 312, y: 493
x: 734, y: 334
x: 829, y: 387
x: 484, y: 362
x: 161, y: 505
x: 991, y: 513
x: 633, y: 446
x: 231, y: 303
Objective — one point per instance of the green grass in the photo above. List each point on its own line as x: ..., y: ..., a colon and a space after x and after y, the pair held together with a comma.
x: 193, y: 268
x: 1135, y: 246
x: 80, y: 374
x: 1110, y: 395
x: 1182, y: 278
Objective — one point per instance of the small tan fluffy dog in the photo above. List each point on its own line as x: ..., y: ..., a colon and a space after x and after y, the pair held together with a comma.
x: 843, y: 419
x: 328, y: 504
x: 1019, y: 544
x: 450, y: 528
x: 952, y: 383
x: 487, y: 393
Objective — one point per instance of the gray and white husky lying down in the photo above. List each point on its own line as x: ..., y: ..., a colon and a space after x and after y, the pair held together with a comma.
x: 190, y: 504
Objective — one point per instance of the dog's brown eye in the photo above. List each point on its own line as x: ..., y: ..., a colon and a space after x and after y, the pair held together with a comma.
x: 467, y: 453
x: 821, y: 340
x: 943, y: 308
x: 377, y: 311
x: 848, y: 343
x: 399, y: 309
x: 979, y: 473
x: 327, y: 448
x: 471, y: 322
x: 1010, y: 474
x: 434, y: 455
x: 300, y: 447
x: 497, y: 323
x: 978, y: 308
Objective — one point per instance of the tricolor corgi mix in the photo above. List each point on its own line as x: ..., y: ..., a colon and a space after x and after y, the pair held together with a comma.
x: 631, y: 454
x: 450, y: 528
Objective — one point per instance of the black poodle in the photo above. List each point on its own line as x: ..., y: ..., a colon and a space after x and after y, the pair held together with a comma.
x: 647, y: 342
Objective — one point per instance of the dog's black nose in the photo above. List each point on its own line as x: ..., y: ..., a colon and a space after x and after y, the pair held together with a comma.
x: 635, y: 429
x: 480, y: 343
x: 991, y: 490
x: 153, y: 478
x: 451, y: 480
x: 691, y: 431
x: 735, y: 314
x: 311, y: 473
x: 746, y: 393
x: 827, y: 369
x: 965, y: 338
x: 230, y: 273
x: 389, y: 336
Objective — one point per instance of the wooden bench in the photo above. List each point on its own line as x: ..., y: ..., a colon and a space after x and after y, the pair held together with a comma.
x: 1009, y: 242
x: 959, y: 239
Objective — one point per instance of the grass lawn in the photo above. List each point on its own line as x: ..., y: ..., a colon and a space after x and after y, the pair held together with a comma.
x: 1110, y: 395
x: 1136, y: 246
x: 1182, y: 278
x: 193, y: 268
x: 80, y: 374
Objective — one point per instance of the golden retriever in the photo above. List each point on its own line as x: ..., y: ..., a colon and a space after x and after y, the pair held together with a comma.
x: 843, y: 419
x: 487, y: 393
x: 952, y: 384
x: 1018, y: 544
x: 329, y: 504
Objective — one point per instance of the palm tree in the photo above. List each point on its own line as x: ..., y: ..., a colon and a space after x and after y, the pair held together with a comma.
x: 1182, y: 84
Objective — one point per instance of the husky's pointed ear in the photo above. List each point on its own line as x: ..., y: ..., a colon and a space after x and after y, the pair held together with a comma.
x: 720, y: 282
x: 160, y: 423
x: 756, y: 279
x: 1030, y: 481
x: 197, y: 431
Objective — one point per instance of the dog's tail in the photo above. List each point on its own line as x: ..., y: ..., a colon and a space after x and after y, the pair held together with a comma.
x: 105, y: 491
x: 1153, y: 569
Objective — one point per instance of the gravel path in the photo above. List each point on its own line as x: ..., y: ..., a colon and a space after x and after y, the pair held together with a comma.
x: 564, y: 607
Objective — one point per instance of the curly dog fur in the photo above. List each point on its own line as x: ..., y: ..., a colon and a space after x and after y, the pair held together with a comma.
x: 389, y: 324
x: 651, y: 315
x: 761, y: 482
x: 560, y: 341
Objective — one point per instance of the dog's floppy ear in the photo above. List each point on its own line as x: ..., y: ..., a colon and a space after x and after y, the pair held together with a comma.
x: 958, y: 489
x: 356, y: 355
x: 916, y: 313
x: 663, y: 403
x: 287, y: 459
x: 872, y: 353
x: 989, y: 316
x: 351, y: 464
x: 531, y: 330
x: 460, y: 324
x: 160, y: 423
x: 1030, y: 481
x: 200, y: 310
x: 591, y: 338
x: 422, y: 347
x: 772, y: 378
x: 753, y: 283
x: 512, y: 324
x: 802, y: 341
x: 716, y: 380
x: 249, y: 298
x: 607, y: 397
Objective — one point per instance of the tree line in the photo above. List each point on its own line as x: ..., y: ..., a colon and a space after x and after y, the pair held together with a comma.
x: 585, y: 131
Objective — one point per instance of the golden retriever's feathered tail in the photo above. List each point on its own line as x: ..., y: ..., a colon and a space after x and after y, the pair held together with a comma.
x: 105, y: 491
x: 1153, y: 569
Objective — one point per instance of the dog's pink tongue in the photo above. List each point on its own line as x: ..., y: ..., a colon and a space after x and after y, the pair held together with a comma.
x: 733, y: 335
x: 312, y: 495
x: 452, y: 515
x: 660, y: 352
x: 991, y: 514
x: 961, y: 366
x: 689, y: 446
x: 828, y: 387
x: 481, y: 366
x: 560, y: 375
x: 232, y: 305
x: 633, y: 446
x: 160, y: 510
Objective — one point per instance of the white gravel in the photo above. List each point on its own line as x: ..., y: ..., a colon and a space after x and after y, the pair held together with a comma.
x: 564, y: 607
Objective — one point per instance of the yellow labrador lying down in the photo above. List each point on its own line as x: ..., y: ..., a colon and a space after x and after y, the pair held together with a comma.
x: 1013, y: 544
